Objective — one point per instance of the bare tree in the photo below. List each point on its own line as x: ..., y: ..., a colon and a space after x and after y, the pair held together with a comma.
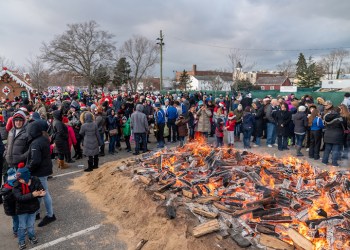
x: 142, y: 54
x: 81, y: 49
x: 38, y: 73
x: 237, y: 56
x: 4, y: 62
x: 288, y: 68
x: 333, y: 62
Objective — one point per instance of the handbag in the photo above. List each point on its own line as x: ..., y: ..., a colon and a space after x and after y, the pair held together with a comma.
x: 113, y: 132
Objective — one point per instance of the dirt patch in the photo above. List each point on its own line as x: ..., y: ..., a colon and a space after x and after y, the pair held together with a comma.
x: 131, y: 208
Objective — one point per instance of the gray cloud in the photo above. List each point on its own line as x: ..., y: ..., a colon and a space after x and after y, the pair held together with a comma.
x: 190, y: 27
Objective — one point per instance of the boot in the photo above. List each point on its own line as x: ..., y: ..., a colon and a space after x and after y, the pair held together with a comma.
x: 79, y: 156
x: 95, y: 166
x: 90, y: 166
x: 102, y: 150
x: 62, y: 164
x: 68, y: 157
x: 298, y: 151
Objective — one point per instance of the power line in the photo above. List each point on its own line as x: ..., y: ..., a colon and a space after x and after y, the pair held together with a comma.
x: 254, y: 49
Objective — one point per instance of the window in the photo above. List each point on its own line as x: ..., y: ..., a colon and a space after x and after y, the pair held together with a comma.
x: 24, y: 94
x: 272, y: 87
x: 330, y: 82
x: 262, y: 87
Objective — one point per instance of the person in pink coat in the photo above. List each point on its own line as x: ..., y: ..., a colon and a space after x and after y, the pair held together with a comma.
x: 72, y: 140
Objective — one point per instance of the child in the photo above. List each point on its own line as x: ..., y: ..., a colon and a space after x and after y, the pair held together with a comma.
x: 26, y: 190
x: 182, y: 129
x: 126, y: 132
x: 9, y: 199
x: 230, y: 127
x: 219, y: 132
x: 71, y: 139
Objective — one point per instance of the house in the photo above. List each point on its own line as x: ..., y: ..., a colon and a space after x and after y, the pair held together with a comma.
x: 13, y: 84
x: 211, y: 82
x: 272, y: 82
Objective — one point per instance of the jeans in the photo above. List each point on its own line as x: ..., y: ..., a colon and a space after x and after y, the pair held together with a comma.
x: 219, y: 141
x: 300, y: 139
x: 315, y: 144
x: 335, y: 149
x: 191, y: 133
x: 271, y: 133
x: 282, y: 142
x: 47, y: 198
x: 26, y: 222
x: 160, y: 135
x: 15, y: 224
x: 238, y: 129
x: 138, y: 137
x: 112, y: 140
x: 127, y: 141
x: 247, y: 133
x: 258, y: 141
x: 182, y: 140
x: 172, y: 129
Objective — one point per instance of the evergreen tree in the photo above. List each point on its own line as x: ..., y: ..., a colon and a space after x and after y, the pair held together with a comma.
x: 121, y: 72
x: 308, y: 74
x: 100, y: 76
x: 185, y: 81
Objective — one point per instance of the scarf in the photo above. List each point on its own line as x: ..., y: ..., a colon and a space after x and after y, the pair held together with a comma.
x: 25, y: 188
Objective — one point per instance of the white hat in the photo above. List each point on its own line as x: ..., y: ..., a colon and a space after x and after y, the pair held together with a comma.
x: 301, y: 108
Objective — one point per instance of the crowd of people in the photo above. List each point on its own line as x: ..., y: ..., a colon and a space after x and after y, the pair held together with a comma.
x: 54, y: 126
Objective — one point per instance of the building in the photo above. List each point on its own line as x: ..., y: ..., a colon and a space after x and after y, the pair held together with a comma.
x: 273, y: 82
x: 335, y: 84
x: 13, y: 84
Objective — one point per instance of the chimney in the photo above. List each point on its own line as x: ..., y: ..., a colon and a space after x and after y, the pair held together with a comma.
x: 194, y: 69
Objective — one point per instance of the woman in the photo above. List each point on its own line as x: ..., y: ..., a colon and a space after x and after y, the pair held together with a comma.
x: 300, y: 126
x: 239, y: 114
x: 283, y: 118
x: 345, y: 114
x: 315, y: 134
x: 247, y: 126
x: 91, y: 140
x: 192, y: 122
x: 60, y: 138
x: 203, y: 116
x: 101, y: 123
x: 112, y: 126
x: 258, y: 114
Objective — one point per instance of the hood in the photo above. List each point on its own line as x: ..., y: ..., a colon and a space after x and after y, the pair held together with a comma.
x: 57, y: 114
x: 34, y: 130
x: 331, y: 117
x: 88, y: 117
x: 36, y: 116
x: 139, y: 107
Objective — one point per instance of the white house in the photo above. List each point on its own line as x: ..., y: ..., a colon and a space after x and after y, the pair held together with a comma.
x: 336, y: 84
x: 210, y: 83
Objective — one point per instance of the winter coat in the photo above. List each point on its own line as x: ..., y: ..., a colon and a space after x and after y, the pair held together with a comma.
x: 138, y: 121
x: 27, y: 203
x: 101, y: 123
x: 182, y: 126
x: 203, y: 117
x: 248, y: 121
x: 259, y: 120
x: 300, y: 123
x: 283, y: 118
x: 60, y: 133
x: 9, y: 200
x: 231, y: 124
x: 239, y: 115
x: 126, y: 128
x: 72, y: 140
x: 334, y: 132
x: 39, y: 159
x: 219, y: 130
x: 17, y: 146
x: 89, y: 133
x: 270, y: 113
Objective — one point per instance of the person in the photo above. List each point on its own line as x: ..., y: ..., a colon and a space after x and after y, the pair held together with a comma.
x: 203, y: 116
x: 101, y: 125
x: 333, y: 137
x: 182, y: 129
x: 238, y: 113
x: 300, y: 125
x: 283, y: 118
x: 345, y: 114
x: 71, y: 139
x: 112, y: 126
x: 139, y: 126
x: 40, y: 165
x: 271, y: 124
x: 346, y: 100
x: 159, y: 118
x: 60, y: 138
x: 126, y: 132
x: 172, y: 115
x: 316, y: 134
x: 74, y: 118
x: 247, y: 127
x: 192, y: 122
x: 9, y: 199
x: 91, y: 140
x: 219, y: 132
x: 258, y: 113
x: 230, y: 127
x: 26, y: 190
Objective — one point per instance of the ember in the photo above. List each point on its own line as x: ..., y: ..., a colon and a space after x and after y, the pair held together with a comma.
x: 283, y: 198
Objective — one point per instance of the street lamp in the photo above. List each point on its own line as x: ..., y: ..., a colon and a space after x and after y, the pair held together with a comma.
x: 161, y: 44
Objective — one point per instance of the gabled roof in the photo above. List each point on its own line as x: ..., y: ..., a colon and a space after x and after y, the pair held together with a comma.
x: 213, y: 77
x: 271, y: 80
x: 17, y: 78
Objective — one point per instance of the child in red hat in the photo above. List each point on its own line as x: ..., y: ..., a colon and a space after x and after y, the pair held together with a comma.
x: 230, y: 127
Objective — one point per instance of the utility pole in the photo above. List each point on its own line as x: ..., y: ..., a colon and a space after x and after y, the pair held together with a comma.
x: 161, y: 44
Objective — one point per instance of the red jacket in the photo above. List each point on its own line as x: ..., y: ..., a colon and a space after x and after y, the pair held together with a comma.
x: 231, y: 124
x: 219, y: 131
x: 71, y: 137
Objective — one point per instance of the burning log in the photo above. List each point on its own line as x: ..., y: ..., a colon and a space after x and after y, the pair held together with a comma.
x: 269, y: 212
x: 210, y: 215
x: 276, y: 219
x: 206, y: 228
x: 246, y: 211
x: 222, y: 207
x: 166, y: 187
x: 209, y: 199
x: 299, y: 241
x: 270, y: 241
x: 265, y: 230
x: 332, y: 197
x: 317, y: 222
x: 334, y: 183
x: 269, y: 200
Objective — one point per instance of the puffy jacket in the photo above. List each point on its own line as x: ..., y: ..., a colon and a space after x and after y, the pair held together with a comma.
x: 60, y: 133
x: 9, y: 200
x: 39, y: 159
x: 248, y: 121
x: 317, y: 124
x: 334, y: 132
x: 160, y: 117
x: 283, y: 118
x: 92, y: 138
x: 138, y: 120
x: 182, y: 126
x: 126, y: 128
x: 172, y: 113
x: 300, y: 123
x: 27, y: 203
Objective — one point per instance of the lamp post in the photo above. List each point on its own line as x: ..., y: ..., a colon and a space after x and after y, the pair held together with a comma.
x: 161, y: 44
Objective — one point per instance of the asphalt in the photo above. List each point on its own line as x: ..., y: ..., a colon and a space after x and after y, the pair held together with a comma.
x: 74, y: 213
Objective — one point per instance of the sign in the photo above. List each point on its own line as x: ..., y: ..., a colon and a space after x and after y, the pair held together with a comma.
x: 289, y: 89
x: 6, y: 90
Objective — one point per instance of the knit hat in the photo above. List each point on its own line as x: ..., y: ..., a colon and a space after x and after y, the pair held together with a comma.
x: 65, y: 120
x: 124, y: 118
x: 19, y: 115
x: 23, y: 173
x: 200, y: 103
x: 301, y: 108
x: 231, y: 116
x: 11, y: 176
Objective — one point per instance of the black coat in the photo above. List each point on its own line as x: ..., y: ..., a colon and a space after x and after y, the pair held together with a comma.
x: 283, y: 119
x: 9, y: 201
x: 60, y: 133
x: 27, y: 203
x: 17, y: 147
x: 39, y: 159
x: 334, y: 132
x: 300, y: 123
x: 259, y: 120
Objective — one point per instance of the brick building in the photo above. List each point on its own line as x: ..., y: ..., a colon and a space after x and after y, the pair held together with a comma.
x: 14, y: 84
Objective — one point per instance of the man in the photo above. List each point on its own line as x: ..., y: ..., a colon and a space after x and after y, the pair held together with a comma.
x: 159, y: 117
x: 271, y: 124
x: 139, y: 126
x: 40, y: 165
x: 172, y: 114
x: 185, y: 106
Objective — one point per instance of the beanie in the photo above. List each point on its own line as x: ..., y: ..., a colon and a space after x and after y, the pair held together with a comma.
x: 11, y: 176
x: 24, y: 174
x: 301, y: 109
x: 21, y: 165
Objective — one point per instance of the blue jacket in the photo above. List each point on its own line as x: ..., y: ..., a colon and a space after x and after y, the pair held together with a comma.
x: 317, y: 124
x: 172, y: 112
x: 160, y: 116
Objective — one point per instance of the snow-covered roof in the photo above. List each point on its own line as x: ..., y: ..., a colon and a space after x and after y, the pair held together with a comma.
x: 15, y: 78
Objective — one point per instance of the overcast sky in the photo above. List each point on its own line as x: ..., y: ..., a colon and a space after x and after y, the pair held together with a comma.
x: 197, y: 32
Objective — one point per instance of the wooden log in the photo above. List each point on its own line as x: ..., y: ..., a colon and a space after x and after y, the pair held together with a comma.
x: 206, y: 228
x: 273, y: 242
x: 187, y: 193
x: 159, y: 196
x: 265, y: 230
x: 208, y: 199
x: 204, y: 213
x: 145, y: 180
x: 276, y: 219
x: 246, y: 211
x: 300, y: 242
x: 166, y: 187
x: 265, y: 201
x: 222, y: 207
x: 141, y: 244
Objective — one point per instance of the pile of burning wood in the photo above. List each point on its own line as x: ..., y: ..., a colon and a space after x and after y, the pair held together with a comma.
x: 255, y: 199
